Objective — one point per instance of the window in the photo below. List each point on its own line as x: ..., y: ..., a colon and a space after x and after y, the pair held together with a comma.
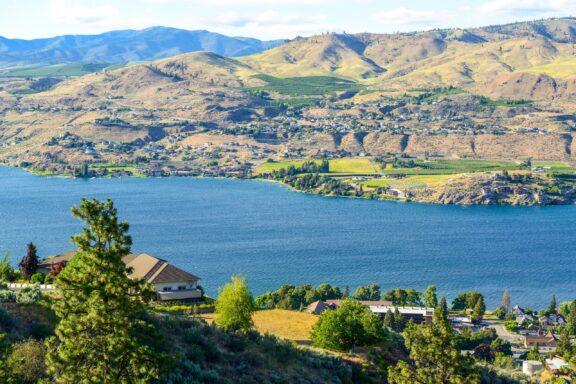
x: 182, y: 287
x: 167, y: 289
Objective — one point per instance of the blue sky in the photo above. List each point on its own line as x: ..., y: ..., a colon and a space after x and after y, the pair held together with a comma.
x: 265, y: 19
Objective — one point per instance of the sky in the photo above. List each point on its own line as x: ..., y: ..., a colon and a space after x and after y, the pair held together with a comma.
x: 266, y: 19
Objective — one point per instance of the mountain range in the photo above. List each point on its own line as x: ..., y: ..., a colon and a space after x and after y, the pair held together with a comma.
x: 124, y: 46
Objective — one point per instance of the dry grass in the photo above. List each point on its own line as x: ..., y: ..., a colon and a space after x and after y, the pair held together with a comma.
x: 290, y: 325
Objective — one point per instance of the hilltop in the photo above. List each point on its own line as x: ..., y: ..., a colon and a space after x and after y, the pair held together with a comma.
x: 124, y: 46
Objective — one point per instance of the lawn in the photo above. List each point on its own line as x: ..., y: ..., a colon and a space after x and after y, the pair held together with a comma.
x: 291, y: 325
x: 269, y: 167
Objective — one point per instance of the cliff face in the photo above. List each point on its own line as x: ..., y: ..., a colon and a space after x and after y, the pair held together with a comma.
x: 553, y: 147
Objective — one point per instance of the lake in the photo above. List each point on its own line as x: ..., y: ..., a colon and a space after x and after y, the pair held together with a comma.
x: 215, y: 228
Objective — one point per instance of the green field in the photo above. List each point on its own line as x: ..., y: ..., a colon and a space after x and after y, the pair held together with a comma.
x: 306, y: 86
x: 59, y: 70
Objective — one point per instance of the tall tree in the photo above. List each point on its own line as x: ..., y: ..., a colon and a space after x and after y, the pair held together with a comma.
x: 506, y: 300
x: 552, y: 306
x: 571, y: 320
x: 29, y: 263
x: 441, y: 314
x: 103, y: 335
x: 389, y: 320
x: 479, y: 310
x: 430, y: 297
x: 235, y: 306
x: 434, y: 358
x: 564, y: 347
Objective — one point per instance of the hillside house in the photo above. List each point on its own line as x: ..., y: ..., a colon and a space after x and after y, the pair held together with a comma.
x: 171, y: 283
x: 546, y: 341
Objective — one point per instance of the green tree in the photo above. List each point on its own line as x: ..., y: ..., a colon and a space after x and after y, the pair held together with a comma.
x: 534, y: 354
x: 479, y: 310
x: 235, y: 306
x: 29, y: 263
x: 399, y: 322
x: 571, y: 319
x: 368, y: 292
x: 564, y: 347
x: 103, y: 335
x: 6, y: 271
x: 434, y: 359
x: 506, y: 300
x: 430, y: 297
x: 441, y: 314
x: 351, y: 325
x: 552, y: 305
x: 389, y: 320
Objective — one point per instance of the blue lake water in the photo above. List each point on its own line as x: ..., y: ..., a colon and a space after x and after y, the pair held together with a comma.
x: 219, y: 227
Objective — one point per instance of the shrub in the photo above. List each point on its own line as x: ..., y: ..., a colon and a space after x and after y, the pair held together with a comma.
x: 26, y: 362
x: 7, y: 296
x: 28, y: 295
x: 38, y: 278
x: 512, y: 326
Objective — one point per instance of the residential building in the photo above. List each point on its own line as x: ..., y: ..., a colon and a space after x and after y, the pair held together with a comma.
x: 171, y: 283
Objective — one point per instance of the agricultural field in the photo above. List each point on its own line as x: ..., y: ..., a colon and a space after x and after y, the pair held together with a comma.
x: 306, y: 86
x: 60, y: 70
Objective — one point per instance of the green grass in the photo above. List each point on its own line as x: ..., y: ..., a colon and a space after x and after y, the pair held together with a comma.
x: 447, y: 167
x: 59, y: 70
x: 353, y: 166
x: 307, y: 85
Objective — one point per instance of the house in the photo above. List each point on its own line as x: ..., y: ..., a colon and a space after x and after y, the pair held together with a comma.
x: 320, y: 306
x: 518, y: 311
x: 555, y: 365
x: 417, y: 314
x: 524, y: 319
x: 552, y: 320
x: 546, y: 341
x: 171, y: 283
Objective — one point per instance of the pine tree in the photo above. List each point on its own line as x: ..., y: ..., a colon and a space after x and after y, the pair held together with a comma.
x: 479, y: 310
x: 571, y: 320
x: 103, y: 335
x: 430, y: 298
x: 552, y: 306
x: 389, y: 320
x: 506, y: 300
x: 346, y: 293
x: 441, y: 314
x: 29, y: 263
x: 399, y: 323
x: 564, y: 347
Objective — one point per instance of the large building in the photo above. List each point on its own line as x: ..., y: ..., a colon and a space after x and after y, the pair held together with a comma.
x: 171, y: 283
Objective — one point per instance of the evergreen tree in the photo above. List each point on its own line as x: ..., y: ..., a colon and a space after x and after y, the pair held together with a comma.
x: 346, y: 293
x: 479, y: 310
x: 506, y: 300
x: 434, y: 358
x: 552, y: 306
x: 564, y: 347
x: 389, y: 320
x: 29, y: 263
x: 571, y: 319
x: 430, y: 298
x: 103, y: 335
x: 235, y: 306
x: 441, y: 314
x: 399, y: 322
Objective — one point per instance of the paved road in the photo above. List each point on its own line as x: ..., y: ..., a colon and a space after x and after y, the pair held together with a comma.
x: 504, y: 334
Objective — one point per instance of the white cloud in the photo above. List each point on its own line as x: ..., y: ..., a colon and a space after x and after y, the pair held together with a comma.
x: 63, y: 11
x: 266, y: 25
x: 528, y: 8
x: 403, y: 18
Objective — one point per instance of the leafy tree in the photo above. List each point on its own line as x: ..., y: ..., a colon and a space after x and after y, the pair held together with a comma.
x: 534, y: 354
x: 483, y: 352
x: 501, y: 346
x: 500, y: 313
x: 466, y: 300
x: 399, y: 322
x: 403, y: 297
x: 506, y: 300
x: 103, y: 335
x: 351, y: 325
x: 368, y: 292
x: 56, y: 268
x: 429, y: 296
x: 235, y: 306
x: 6, y: 271
x: 29, y: 263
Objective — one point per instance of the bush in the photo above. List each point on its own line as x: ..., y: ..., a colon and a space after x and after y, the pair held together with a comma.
x: 28, y: 295
x: 7, y: 296
x: 26, y: 362
x: 512, y: 326
x: 38, y: 278
x: 499, y: 313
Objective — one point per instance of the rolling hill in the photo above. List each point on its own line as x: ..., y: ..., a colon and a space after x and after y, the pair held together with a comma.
x: 124, y: 46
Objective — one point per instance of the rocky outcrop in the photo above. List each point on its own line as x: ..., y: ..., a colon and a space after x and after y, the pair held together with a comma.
x: 553, y: 147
